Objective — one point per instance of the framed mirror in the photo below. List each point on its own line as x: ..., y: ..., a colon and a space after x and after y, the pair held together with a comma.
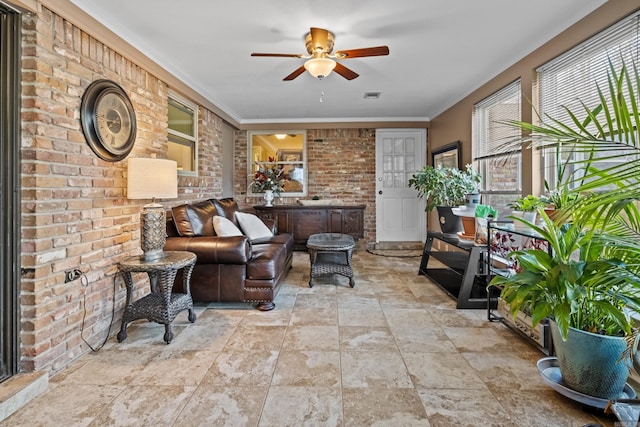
x: 282, y: 151
x: 447, y: 156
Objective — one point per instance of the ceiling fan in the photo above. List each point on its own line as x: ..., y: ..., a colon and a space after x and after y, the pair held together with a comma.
x: 320, y: 61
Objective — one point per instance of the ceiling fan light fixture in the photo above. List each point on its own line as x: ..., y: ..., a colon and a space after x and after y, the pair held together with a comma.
x: 320, y: 67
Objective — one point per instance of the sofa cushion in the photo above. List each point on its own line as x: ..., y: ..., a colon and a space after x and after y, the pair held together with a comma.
x: 227, y: 208
x: 224, y: 227
x: 252, y: 226
x: 194, y: 219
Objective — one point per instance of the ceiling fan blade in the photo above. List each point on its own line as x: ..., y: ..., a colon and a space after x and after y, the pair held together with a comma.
x: 345, y: 72
x: 283, y: 55
x: 295, y: 74
x: 319, y: 39
x: 359, y: 53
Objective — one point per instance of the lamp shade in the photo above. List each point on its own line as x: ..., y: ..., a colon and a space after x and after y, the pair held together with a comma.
x: 320, y: 67
x: 152, y: 178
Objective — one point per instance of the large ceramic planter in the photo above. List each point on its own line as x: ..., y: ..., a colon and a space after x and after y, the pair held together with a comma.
x: 590, y: 363
x: 449, y: 222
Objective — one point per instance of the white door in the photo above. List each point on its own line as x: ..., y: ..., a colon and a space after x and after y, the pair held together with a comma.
x: 400, y: 215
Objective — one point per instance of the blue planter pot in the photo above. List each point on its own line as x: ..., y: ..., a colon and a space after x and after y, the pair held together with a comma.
x: 590, y: 363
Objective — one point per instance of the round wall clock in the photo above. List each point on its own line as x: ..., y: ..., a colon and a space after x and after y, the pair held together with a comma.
x: 108, y: 120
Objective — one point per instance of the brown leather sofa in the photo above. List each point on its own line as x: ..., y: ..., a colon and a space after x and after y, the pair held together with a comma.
x: 228, y: 268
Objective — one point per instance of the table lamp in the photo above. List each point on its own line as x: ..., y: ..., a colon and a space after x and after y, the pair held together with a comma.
x: 151, y: 179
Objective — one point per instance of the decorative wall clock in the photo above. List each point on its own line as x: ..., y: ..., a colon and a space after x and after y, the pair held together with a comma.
x: 108, y: 120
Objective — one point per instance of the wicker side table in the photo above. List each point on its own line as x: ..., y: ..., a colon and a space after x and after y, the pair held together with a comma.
x: 161, y: 305
x: 330, y: 253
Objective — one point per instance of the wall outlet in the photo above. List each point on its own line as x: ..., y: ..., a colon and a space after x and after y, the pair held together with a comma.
x: 71, y: 275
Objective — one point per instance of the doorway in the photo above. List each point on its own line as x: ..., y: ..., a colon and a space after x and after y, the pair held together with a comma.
x: 9, y: 191
x: 400, y: 216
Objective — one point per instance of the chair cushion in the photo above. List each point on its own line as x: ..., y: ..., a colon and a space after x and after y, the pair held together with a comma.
x: 224, y: 227
x: 252, y: 226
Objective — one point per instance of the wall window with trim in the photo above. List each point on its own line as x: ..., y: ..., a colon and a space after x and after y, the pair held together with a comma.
x: 183, y: 134
x: 571, y: 79
x: 501, y: 173
x: 284, y: 151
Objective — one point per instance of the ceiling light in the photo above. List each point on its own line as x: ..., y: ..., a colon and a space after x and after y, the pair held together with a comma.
x: 320, y: 67
x: 281, y: 135
x: 372, y: 95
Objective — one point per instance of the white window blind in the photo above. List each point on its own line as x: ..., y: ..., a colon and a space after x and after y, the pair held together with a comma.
x: 500, y: 172
x: 571, y: 79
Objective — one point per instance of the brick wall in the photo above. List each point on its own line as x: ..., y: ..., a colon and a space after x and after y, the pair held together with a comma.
x: 75, y: 213
x: 341, y: 165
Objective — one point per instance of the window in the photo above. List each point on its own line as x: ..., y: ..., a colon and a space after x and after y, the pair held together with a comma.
x: 501, y: 173
x: 183, y: 134
x: 571, y: 79
x: 284, y: 151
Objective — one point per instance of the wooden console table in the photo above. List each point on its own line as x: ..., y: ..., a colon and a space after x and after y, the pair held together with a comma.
x: 304, y: 221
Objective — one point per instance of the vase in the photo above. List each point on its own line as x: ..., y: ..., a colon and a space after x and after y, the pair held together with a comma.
x: 591, y: 364
x: 450, y: 223
x: 268, y: 197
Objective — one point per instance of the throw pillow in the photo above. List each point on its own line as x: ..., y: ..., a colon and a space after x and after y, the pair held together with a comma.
x: 224, y: 227
x: 252, y: 226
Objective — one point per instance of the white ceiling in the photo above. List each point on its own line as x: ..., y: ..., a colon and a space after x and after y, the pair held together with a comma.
x: 440, y: 50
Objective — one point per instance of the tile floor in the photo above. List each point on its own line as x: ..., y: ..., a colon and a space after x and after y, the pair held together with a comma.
x: 393, y: 351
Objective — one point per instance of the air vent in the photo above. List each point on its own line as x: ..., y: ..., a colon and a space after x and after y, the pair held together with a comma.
x: 371, y: 95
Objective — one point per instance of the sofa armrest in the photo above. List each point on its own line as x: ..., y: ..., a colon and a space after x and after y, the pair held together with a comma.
x: 213, y: 249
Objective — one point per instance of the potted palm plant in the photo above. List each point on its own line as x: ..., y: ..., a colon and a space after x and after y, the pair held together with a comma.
x: 589, y: 285
x: 445, y: 188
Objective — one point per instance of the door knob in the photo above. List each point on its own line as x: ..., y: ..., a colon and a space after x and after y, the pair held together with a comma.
x: 380, y: 192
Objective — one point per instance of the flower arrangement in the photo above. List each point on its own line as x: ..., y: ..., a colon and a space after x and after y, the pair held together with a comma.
x: 267, y: 177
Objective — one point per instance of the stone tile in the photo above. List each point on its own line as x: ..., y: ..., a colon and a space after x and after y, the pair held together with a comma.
x: 480, y: 339
x: 177, y: 367
x: 115, y: 367
x: 361, y: 317
x: 256, y: 338
x: 242, y: 368
x: 211, y: 337
x: 542, y: 408
x: 314, y: 316
x: 455, y: 407
x: 144, y: 406
x: 507, y: 370
x: 373, y: 406
x: 296, y: 406
x: 374, y: 369
x: 442, y: 371
x: 214, y: 406
x: 311, y: 338
x: 308, y: 368
x: 365, y: 338
x: 68, y: 405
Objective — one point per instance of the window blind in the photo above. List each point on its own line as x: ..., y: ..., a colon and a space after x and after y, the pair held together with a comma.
x: 571, y: 78
x: 500, y: 170
x: 488, y: 130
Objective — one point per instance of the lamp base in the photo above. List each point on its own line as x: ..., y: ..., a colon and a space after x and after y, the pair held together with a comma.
x: 153, y: 233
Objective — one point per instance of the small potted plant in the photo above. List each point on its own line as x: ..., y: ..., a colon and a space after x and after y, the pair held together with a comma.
x: 445, y: 188
x: 526, y: 208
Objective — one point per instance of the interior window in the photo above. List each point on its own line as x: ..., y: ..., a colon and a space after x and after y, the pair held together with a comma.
x: 183, y: 134
x: 284, y: 151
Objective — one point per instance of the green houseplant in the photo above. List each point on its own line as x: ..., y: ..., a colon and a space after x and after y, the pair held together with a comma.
x: 444, y: 188
x: 590, y: 283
